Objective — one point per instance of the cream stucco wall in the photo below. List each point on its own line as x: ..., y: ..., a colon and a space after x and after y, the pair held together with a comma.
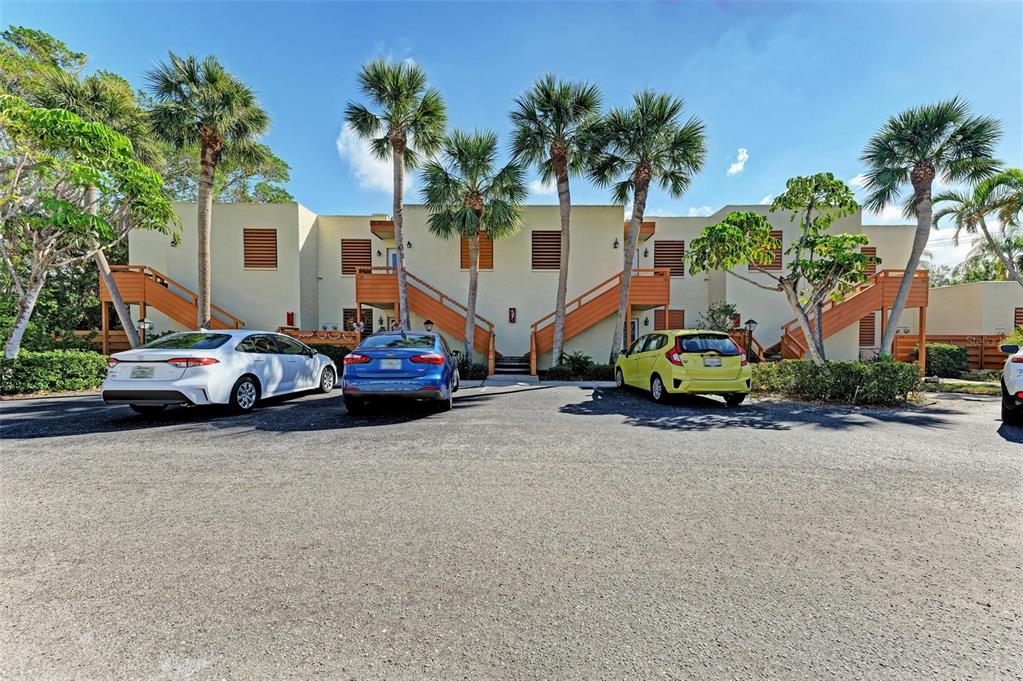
x: 983, y: 307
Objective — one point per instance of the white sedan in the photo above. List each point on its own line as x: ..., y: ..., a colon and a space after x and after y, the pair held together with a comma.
x: 214, y: 367
x: 1012, y: 386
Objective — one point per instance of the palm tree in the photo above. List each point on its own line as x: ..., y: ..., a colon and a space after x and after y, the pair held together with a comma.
x: 553, y: 122
x: 467, y: 196
x: 915, y: 147
x: 637, y: 147
x: 198, y: 102
x: 969, y: 211
x: 108, y: 99
x: 407, y: 127
x: 1002, y: 256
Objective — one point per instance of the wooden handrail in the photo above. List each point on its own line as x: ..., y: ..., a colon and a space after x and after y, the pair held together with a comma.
x: 442, y: 297
x: 161, y: 278
x: 617, y: 278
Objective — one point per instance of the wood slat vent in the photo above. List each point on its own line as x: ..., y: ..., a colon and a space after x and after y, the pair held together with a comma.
x: 546, y: 250
x: 676, y: 319
x: 776, y: 263
x: 355, y: 253
x: 486, y: 252
x: 1018, y: 317
x: 868, y: 331
x: 259, y: 248
x: 671, y: 254
x: 870, y: 252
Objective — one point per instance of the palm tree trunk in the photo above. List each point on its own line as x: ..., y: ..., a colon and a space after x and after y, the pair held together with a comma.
x: 1010, y: 267
x: 638, y: 208
x: 398, y: 158
x: 207, y: 172
x: 923, y: 233
x: 474, y: 282
x: 26, y: 304
x: 123, y: 315
x: 565, y: 205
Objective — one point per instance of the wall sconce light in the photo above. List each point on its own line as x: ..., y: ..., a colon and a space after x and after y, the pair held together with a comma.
x: 380, y: 321
x: 646, y: 252
x: 646, y: 321
x: 428, y: 325
x: 615, y: 244
x: 379, y: 253
x: 408, y: 244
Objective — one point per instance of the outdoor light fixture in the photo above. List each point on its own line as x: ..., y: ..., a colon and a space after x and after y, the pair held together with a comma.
x: 750, y: 325
x: 408, y: 244
x: 646, y: 252
x: 646, y: 321
x: 380, y: 321
x: 428, y: 325
x: 379, y: 253
x: 615, y: 244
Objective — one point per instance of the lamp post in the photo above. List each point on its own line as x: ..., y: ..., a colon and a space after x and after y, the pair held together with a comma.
x: 750, y: 325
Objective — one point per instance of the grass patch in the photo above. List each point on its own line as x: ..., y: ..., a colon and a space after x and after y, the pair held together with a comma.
x: 963, y: 387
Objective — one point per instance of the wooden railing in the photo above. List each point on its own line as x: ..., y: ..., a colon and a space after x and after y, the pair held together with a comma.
x: 982, y: 350
x: 348, y: 339
x: 757, y: 350
x: 144, y: 272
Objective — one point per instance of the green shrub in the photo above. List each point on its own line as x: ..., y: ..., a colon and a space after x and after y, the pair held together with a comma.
x: 592, y: 372
x: 335, y: 352
x: 881, y: 382
x: 946, y: 361
x: 35, y: 338
x: 601, y: 372
x: 52, y: 371
x: 577, y: 363
x: 470, y: 371
x: 1014, y: 338
x: 557, y: 373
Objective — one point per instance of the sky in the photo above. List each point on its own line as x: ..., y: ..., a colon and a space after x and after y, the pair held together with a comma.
x: 784, y: 89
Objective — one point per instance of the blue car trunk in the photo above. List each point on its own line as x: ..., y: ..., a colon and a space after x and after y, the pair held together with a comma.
x: 392, y: 363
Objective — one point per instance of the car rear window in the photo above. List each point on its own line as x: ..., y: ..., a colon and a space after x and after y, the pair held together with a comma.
x: 705, y: 342
x: 398, y: 341
x: 188, y: 341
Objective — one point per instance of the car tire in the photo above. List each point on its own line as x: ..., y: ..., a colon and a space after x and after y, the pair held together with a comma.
x: 448, y: 402
x: 735, y: 399
x: 458, y: 381
x: 354, y: 405
x: 327, y: 379
x: 244, y: 394
x: 619, y: 379
x: 147, y: 409
x: 657, y: 390
x: 1010, y: 415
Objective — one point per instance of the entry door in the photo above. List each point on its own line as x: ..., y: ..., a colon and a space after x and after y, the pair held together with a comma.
x: 392, y: 257
x: 633, y: 329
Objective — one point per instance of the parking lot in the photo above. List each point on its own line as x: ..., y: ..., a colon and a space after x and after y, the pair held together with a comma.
x: 550, y: 532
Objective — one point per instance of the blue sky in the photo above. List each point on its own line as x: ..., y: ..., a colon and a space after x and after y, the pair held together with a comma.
x: 799, y: 86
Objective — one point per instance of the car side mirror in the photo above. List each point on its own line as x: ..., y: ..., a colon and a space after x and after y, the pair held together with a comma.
x: 1009, y: 349
x: 625, y: 352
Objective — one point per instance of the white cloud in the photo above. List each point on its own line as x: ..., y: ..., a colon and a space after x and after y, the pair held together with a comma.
x: 702, y: 211
x: 740, y: 162
x: 859, y: 181
x: 371, y: 173
x: 541, y: 188
x: 767, y: 200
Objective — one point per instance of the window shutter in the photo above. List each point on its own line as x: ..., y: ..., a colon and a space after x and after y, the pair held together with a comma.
x: 676, y: 319
x: 259, y: 248
x: 486, y: 252
x: 868, y: 331
x: 1018, y: 317
x: 355, y: 253
x: 670, y: 254
x: 546, y: 250
x: 871, y: 252
x: 776, y: 263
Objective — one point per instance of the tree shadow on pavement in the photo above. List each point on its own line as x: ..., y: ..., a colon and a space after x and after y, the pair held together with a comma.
x: 694, y: 413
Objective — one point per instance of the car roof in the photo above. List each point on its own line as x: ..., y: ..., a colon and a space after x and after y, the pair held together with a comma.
x: 692, y: 332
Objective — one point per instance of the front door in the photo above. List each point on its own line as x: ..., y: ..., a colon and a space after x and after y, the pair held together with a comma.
x: 392, y: 257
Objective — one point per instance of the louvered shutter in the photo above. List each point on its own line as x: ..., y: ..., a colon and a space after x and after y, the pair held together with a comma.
x: 355, y: 253
x: 546, y: 250
x: 868, y: 331
x: 670, y: 254
x: 259, y: 248
x: 870, y: 252
x: 486, y: 253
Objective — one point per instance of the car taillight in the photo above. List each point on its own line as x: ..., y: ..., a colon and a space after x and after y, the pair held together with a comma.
x: 353, y: 358
x: 111, y: 362
x: 427, y: 358
x: 1017, y: 360
x: 187, y: 362
x: 742, y: 359
x: 674, y: 357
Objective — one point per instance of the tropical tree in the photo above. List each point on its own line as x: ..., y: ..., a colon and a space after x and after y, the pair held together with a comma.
x: 108, y: 99
x: 243, y: 180
x: 407, y: 127
x: 200, y: 104
x: 468, y: 196
x: 821, y: 265
x: 553, y: 125
x: 50, y: 158
x: 26, y: 54
x: 646, y: 144
x: 936, y: 141
x: 999, y: 196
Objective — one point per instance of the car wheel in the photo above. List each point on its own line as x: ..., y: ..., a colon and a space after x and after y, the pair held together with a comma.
x: 1010, y: 415
x: 354, y: 405
x: 458, y: 382
x: 735, y: 399
x: 657, y: 390
x: 147, y: 409
x: 244, y: 394
x: 446, y: 403
x: 619, y: 379
x: 327, y: 379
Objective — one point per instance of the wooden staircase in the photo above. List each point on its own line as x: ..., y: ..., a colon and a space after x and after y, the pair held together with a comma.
x: 378, y: 286
x: 143, y: 286
x: 877, y: 293
x: 649, y: 288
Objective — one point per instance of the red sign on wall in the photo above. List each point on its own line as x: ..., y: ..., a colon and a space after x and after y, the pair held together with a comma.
x: 511, y: 315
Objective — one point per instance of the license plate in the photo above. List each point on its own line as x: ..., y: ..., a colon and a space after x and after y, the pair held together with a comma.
x: 142, y: 372
x: 390, y: 364
x: 711, y: 361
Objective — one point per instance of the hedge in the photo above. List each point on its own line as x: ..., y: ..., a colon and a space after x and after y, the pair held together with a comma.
x: 52, y: 371
x: 946, y: 361
x: 335, y: 352
x: 594, y: 372
x: 879, y: 383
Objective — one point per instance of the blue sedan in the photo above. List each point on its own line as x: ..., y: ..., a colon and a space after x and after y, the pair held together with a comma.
x: 412, y: 365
